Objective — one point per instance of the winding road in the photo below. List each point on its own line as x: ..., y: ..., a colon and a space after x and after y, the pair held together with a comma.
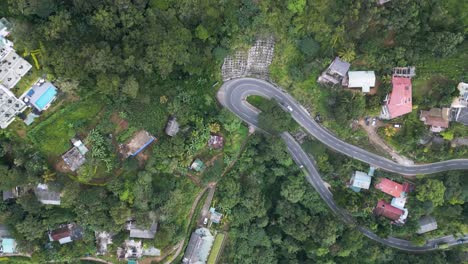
x: 233, y: 94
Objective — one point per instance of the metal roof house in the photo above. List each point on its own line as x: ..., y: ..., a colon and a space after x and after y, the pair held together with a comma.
x: 360, y: 180
x: 7, y: 246
x: 137, y: 144
x: 399, y: 101
x: 198, y: 247
x: 387, y: 210
x: 335, y: 73
x: 66, y: 234
x: 172, y: 127
x: 426, y: 224
x: 139, y: 232
x: 46, y: 196
x: 197, y: 165
x: 437, y: 118
x: 361, y: 79
x: 390, y: 187
x: 40, y: 95
x: 9, y: 107
x: 12, y: 68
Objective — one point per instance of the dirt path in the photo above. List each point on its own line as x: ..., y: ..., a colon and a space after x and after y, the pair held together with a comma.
x: 96, y: 260
x: 377, y: 141
x: 178, y: 248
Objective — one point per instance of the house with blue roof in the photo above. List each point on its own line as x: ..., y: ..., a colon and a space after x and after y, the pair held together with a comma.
x: 141, y: 140
x: 360, y: 180
x: 40, y: 95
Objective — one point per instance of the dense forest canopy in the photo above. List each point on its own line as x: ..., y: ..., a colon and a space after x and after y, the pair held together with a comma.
x: 126, y: 65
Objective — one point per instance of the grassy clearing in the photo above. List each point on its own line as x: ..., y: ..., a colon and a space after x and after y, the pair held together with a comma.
x: 216, y: 249
x: 233, y: 143
x: 52, y: 135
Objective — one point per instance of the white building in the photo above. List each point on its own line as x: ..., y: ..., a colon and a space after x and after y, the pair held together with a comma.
x: 361, y: 79
x: 9, y: 107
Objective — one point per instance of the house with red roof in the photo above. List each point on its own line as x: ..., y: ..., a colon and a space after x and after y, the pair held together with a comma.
x: 399, y: 101
x: 387, y: 210
x: 390, y: 187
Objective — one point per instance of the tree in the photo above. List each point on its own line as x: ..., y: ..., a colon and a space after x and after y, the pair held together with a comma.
x: 432, y: 190
x: 202, y: 33
x: 130, y: 87
x: 273, y: 118
x: 309, y: 47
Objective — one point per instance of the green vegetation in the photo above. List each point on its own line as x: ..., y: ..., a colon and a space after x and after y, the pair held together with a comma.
x: 124, y: 66
x: 215, y: 250
x: 273, y: 118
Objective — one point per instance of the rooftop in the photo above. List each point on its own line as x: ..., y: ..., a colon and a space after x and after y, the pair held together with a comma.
x: 9, y: 106
x: 390, y: 187
x: 8, y: 246
x: 436, y: 117
x: 74, y: 158
x: 335, y: 73
x: 461, y: 115
x: 361, y: 180
x: 46, y: 196
x: 197, y: 165
x: 361, y: 79
x: 399, y: 101
x: 387, y: 210
x: 138, y: 143
x: 139, y: 232
x: 66, y: 233
x: 12, y: 69
x: 426, y: 224
x: 198, y: 247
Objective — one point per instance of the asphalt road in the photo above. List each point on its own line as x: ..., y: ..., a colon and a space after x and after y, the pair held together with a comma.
x: 233, y: 94
x: 313, y: 177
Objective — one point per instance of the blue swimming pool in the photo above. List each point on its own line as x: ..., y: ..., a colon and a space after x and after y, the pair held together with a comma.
x: 46, y: 97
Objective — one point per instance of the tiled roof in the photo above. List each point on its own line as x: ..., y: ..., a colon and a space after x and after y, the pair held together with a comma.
x: 400, y: 99
x: 385, y: 209
x: 390, y: 187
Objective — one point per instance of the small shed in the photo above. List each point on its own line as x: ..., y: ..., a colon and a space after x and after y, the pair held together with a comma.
x: 198, y: 165
x: 426, y: 224
x: 361, y: 79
